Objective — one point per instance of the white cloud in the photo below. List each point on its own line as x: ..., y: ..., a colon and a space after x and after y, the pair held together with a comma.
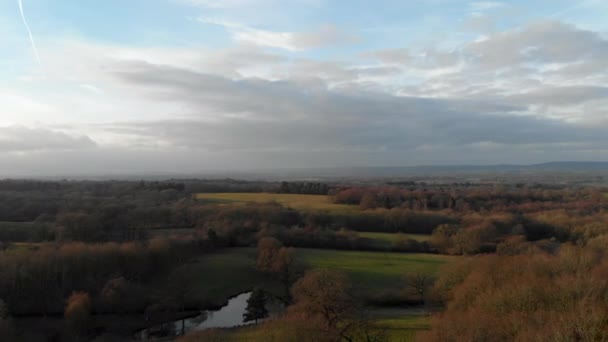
x: 324, y: 36
x: 28, y: 139
x: 482, y: 6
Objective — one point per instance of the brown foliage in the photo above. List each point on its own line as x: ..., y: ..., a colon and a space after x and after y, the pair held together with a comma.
x: 78, y: 312
x: 323, y: 296
x: 537, y: 297
x: 279, y: 262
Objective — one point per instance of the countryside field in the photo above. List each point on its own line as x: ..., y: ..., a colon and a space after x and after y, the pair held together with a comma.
x: 214, y: 278
x: 388, y: 240
x: 296, y: 201
x: 372, y: 271
x: 401, y: 329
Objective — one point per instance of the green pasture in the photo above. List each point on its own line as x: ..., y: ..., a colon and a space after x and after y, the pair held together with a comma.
x: 388, y: 240
x: 213, y: 278
x: 374, y: 271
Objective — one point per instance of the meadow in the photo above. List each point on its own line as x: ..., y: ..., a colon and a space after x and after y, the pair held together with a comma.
x: 401, y: 329
x: 389, y: 240
x: 214, y: 278
x: 374, y: 271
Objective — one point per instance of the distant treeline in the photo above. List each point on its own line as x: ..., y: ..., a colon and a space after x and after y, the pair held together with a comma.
x: 39, y: 279
x: 501, y: 198
x: 460, y: 220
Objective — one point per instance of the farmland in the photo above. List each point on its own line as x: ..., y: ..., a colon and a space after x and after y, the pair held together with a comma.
x: 374, y: 270
x: 234, y: 271
x: 401, y: 329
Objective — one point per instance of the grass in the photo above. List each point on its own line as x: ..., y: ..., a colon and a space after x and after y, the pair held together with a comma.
x: 373, y: 271
x: 295, y: 201
x: 403, y: 328
x: 386, y: 240
x: 212, y: 279
x: 398, y: 329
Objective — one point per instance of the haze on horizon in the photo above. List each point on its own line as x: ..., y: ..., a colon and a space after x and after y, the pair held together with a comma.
x: 192, y: 85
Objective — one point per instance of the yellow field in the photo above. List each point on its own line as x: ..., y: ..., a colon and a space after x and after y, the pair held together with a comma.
x: 296, y: 201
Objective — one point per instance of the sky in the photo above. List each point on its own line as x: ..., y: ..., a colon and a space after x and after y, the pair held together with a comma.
x: 184, y: 86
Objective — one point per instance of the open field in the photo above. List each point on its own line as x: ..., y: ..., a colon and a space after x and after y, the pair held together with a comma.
x: 214, y: 278
x: 372, y: 271
x: 398, y: 329
x: 296, y: 201
x: 404, y: 328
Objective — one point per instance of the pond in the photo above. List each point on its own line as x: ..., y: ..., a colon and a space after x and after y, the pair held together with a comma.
x: 230, y: 315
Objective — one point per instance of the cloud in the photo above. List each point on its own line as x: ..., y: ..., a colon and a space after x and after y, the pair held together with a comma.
x: 26, y: 139
x: 284, y: 116
x: 481, y: 6
x: 529, y: 94
x: 324, y: 36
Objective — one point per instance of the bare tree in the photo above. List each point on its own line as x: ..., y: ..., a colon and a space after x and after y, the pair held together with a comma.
x: 420, y: 283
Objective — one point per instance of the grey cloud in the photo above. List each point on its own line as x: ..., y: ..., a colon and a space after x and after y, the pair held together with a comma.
x: 390, y: 56
x: 230, y: 61
x: 327, y: 35
x: 543, y: 42
x: 566, y: 95
x: 425, y: 59
x: 288, y: 117
x: 24, y: 139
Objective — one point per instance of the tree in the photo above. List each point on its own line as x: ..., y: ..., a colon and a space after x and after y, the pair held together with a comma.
x: 324, y: 296
x: 279, y: 262
x: 119, y: 295
x: 256, y: 306
x: 78, y: 311
x: 419, y: 282
x: 368, y: 201
x: 77, y: 226
x: 268, y: 248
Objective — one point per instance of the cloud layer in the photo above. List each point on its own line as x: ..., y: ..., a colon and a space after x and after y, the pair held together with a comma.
x: 525, y: 94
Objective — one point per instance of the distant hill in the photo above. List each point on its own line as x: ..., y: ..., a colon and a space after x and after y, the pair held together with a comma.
x: 314, y: 174
x: 570, y: 165
x: 439, y: 170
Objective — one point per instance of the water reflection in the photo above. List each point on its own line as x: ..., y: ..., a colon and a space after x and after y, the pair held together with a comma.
x: 230, y: 315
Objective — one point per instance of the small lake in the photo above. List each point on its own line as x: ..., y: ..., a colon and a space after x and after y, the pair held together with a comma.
x: 230, y: 315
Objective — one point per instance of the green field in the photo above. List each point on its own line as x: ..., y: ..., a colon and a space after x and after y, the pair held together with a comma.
x: 387, y: 240
x: 373, y: 271
x: 400, y: 328
x: 403, y: 328
x: 296, y: 201
x: 214, y: 278
x: 211, y: 279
